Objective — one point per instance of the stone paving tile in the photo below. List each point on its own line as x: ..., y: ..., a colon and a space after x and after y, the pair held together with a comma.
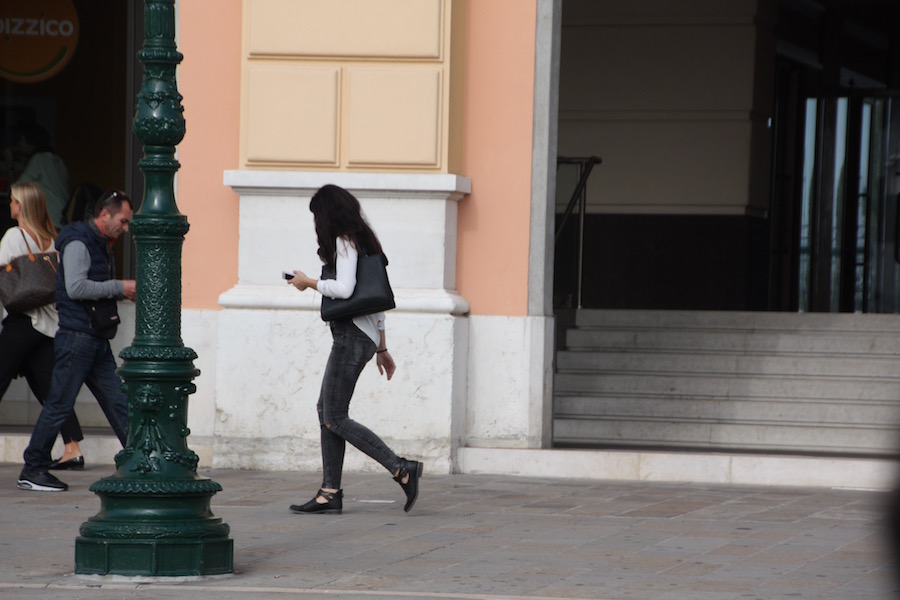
x: 479, y: 537
x: 693, y: 568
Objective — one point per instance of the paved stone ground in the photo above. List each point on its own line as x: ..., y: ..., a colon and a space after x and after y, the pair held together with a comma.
x: 484, y: 537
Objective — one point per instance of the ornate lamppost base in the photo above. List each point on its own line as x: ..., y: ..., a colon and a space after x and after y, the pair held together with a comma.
x: 169, y: 532
x: 153, y: 558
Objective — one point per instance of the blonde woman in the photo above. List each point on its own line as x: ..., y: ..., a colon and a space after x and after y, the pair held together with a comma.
x: 26, y: 340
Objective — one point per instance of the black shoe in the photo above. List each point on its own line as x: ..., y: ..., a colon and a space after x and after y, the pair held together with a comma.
x: 413, y: 468
x: 40, y: 481
x: 72, y: 463
x: 334, y: 505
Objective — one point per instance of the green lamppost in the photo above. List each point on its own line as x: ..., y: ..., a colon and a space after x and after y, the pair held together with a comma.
x: 155, y: 517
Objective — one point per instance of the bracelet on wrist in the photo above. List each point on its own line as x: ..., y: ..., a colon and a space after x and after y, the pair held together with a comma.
x: 380, y: 351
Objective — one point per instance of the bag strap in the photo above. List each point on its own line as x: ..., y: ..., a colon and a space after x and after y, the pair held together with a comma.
x: 25, y: 239
x: 363, y: 251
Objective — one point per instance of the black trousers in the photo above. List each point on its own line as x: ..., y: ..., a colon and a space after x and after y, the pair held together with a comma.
x: 24, y: 351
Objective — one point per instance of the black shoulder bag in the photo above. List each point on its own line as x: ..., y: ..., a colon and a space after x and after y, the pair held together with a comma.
x: 372, y: 293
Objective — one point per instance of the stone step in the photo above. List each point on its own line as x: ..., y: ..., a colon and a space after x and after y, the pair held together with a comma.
x: 645, y: 432
x: 828, y: 342
x: 779, y: 322
x: 730, y: 381
x: 745, y: 363
x: 834, y: 412
x: 724, y: 386
x: 641, y: 464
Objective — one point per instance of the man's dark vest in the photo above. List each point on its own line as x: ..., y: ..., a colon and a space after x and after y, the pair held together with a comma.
x: 72, y: 314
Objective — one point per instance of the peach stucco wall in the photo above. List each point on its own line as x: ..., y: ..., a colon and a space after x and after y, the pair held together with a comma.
x: 493, y: 247
x: 492, y: 271
x: 209, y: 78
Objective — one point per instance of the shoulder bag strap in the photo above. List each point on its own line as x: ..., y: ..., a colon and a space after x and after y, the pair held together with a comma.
x: 25, y: 239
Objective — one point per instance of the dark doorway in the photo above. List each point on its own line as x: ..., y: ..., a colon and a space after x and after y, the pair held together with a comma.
x: 833, y: 219
x: 86, y: 106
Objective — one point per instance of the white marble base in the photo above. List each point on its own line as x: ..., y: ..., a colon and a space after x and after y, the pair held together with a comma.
x: 269, y: 371
x: 510, y: 373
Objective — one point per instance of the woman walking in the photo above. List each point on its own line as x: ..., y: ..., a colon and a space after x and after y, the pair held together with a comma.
x: 342, y: 231
x: 26, y: 340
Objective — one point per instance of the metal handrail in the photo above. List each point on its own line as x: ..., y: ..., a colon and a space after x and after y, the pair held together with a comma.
x: 579, y: 197
x: 587, y: 165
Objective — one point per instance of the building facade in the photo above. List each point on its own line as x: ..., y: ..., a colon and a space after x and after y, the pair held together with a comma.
x: 452, y: 121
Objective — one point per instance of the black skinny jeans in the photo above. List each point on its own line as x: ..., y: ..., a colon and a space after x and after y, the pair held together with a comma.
x: 24, y: 351
x: 350, y: 352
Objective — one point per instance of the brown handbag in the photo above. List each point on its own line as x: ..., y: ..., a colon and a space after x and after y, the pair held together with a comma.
x: 29, y: 280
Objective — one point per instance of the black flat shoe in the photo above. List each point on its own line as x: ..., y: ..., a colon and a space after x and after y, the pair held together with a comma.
x: 67, y: 465
x: 413, y: 468
x: 334, y: 505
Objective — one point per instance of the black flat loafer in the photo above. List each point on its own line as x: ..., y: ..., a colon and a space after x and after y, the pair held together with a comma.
x: 67, y: 465
x: 333, y: 506
x: 412, y: 468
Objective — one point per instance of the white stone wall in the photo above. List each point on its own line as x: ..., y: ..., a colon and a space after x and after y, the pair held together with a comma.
x: 270, y: 366
x: 272, y: 345
x: 199, y: 331
x: 510, y: 379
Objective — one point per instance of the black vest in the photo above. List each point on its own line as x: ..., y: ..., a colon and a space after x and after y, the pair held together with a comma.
x: 72, y: 314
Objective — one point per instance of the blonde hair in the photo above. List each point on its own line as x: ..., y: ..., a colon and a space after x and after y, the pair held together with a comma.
x: 33, y: 215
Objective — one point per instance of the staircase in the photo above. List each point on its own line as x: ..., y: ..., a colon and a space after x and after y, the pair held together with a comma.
x: 776, y: 383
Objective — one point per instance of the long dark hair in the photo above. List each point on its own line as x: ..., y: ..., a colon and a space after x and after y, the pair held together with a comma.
x: 337, y: 213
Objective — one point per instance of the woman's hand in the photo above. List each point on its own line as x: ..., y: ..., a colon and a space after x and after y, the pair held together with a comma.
x: 385, y: 363
x: 302, y: 281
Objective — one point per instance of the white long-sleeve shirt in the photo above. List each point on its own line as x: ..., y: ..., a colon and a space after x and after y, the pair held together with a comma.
x: 344, y: 283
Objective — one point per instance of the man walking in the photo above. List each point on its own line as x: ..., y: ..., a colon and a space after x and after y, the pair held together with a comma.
x: 86, y: 294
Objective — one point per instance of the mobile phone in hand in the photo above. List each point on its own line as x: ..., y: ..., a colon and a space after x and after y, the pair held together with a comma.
x: 287, y: 275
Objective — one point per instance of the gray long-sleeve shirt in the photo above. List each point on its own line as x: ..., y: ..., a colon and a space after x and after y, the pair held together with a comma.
x: 76, y: 263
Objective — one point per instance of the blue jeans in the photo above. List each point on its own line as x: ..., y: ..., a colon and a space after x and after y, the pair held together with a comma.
x: 350, y: 352
x: 81, y: 358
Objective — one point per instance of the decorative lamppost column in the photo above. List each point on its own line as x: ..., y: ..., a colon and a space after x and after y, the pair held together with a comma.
x: 155, y: 517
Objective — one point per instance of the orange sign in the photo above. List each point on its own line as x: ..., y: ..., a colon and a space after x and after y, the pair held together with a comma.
x: 37, y: 38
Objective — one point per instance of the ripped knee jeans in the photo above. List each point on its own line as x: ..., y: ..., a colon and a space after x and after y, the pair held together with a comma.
x: 350, y: 352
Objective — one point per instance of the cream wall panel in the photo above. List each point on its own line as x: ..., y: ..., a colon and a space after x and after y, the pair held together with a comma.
x: 365, y: 28
x: 397, y: 92
x: 394, y: 117
x: 292, y: 114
